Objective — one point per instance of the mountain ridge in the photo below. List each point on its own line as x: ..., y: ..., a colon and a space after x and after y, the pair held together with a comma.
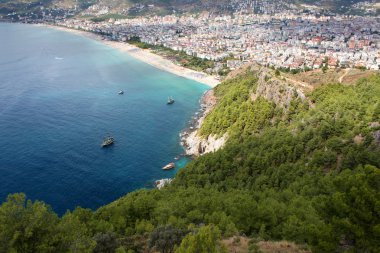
x: 144, y: 7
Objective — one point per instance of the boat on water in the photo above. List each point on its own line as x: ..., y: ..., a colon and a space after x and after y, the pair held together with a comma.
x: 121, y: 92
x: 107, y: 141
x: 170, y: 166
x: 170, y: 101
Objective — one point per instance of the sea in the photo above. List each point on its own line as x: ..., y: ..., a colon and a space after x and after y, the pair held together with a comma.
x: 59, y: 99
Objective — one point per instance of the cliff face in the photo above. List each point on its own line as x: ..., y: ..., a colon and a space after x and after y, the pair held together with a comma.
x: 197, y: 145
x: 194, y: 144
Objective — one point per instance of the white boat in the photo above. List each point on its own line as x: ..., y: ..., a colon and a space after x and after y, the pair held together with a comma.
x: 169, y: 166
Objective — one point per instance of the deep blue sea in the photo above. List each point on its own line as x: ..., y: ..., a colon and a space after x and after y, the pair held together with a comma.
x: 58, y: 99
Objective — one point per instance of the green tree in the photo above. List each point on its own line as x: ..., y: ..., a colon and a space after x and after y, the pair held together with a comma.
x: 353, y: 209
x: 26, y: 226
x: 73, y: 236
x: 165, y: 238
x: 106, y: 242
x: 206, y: 240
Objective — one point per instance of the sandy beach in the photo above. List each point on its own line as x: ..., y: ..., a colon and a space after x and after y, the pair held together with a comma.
x: 148, y: 57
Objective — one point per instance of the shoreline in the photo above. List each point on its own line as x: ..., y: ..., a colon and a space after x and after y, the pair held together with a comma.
x: 145, y: 56
x: 206, y: 102
x: 189, y: 139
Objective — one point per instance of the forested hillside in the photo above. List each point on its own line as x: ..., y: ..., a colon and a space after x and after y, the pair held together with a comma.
x: 306, y: 172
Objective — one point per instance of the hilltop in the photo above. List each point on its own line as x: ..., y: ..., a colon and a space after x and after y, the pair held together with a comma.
x: 311, y: 79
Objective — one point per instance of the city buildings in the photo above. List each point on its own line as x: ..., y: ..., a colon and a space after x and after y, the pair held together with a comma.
x: 285, y: 40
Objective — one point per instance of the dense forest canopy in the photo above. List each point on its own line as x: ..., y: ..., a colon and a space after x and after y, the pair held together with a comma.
x: 308, y: 173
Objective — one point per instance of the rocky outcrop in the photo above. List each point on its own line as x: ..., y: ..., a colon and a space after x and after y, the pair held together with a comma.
x: 194, y: 144
x: 162, y: 183
x: 375, y: 134
x: 374, y: 124
x: 376, y: 137
x: 197, y: 145
x: 273, y: 88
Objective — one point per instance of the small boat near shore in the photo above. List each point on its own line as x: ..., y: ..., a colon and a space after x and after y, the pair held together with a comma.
x: 170, y: 101
x: 107, y: 141
x: 170, y: 166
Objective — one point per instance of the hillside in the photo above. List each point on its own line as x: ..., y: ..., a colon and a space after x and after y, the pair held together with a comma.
x: 298, y: 165
x: 162, y: 7
x: 28, y: 6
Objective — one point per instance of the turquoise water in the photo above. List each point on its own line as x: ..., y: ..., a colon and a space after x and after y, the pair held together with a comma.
x: 58, y: 99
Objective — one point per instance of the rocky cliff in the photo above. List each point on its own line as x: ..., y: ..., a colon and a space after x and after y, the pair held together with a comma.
x: 194, y: 144
x: 275, y: 88
x: 197, y: 145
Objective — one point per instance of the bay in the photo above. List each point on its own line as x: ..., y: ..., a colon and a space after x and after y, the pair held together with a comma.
x: 58, y: 99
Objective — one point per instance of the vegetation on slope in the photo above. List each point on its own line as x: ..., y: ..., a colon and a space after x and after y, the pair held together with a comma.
x: 309, y: 174
x: 235, y: 112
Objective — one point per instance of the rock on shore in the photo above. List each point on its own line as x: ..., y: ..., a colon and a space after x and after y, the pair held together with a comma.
x: 194, y: 144
x: 197, y: 145
x: 162, y: 182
